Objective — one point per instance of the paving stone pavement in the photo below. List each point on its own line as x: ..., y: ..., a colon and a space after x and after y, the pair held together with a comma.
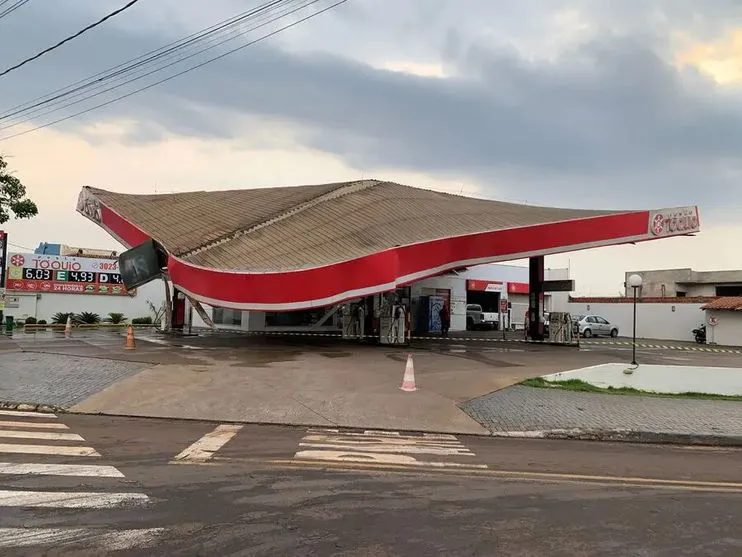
x: 58, y: 380
x: 520, y: 408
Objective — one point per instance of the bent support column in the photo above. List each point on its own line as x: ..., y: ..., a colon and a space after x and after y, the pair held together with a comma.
x: 536, y: 297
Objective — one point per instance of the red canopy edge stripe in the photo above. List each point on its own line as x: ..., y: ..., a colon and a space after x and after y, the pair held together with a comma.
x: 385, y: 270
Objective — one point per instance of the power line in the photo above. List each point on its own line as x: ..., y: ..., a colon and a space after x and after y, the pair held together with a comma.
x: 178, y: 74
x: 85, y: 87
x: 68, y: 39
x: 11, y: 9
x: 132, y: 64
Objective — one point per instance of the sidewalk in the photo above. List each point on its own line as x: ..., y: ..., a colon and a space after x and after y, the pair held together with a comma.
x: 462, y: 388
x: 306, y: 382
x: 520, y: 411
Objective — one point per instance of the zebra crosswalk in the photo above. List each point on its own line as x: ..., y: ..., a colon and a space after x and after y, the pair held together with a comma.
x: 386, y: 448
x: 44, y: 466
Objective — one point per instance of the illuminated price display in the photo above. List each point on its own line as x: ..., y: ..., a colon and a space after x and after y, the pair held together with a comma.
x: 109, y: 278
x: 51, y: 274
x: 37, y: 274
x: 80, y: 276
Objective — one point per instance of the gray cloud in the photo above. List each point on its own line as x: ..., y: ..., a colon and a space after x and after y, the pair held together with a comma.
x: 606, y: 122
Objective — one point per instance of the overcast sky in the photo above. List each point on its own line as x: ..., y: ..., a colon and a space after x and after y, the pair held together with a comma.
x: 581, y: 103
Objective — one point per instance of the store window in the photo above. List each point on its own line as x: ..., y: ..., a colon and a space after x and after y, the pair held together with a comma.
x: 224, y: 316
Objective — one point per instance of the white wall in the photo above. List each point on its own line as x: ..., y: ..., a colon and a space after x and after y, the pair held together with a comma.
x: 652, y: 320
x: 728, y: 331
x: 518, y: 309
x: 45, y: 305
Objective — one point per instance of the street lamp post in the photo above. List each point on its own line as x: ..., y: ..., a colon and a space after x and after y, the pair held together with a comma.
x: 635, y: 282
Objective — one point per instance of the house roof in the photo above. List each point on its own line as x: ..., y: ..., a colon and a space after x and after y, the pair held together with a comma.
x: 357, y: 237
x: 731, y: 303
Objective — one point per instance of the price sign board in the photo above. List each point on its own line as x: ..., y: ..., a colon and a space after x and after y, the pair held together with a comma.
x: 30, y: 272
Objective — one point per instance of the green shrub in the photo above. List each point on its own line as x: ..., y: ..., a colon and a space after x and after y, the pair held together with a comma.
x: 117, y: 318
x: 41, y: 322
x: 30, y: 321
x: 87, y: 318
x: 141, y: 321
x: 60, y: 318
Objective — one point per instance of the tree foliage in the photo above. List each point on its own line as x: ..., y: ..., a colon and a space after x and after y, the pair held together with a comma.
x: 13, y: 200
x: 116, y: 318
x: 87, y: 317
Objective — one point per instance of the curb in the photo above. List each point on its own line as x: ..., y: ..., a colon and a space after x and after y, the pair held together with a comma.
x: 626, y: 436
x: 31, y: 407
x: 616, y: 435
x: 583, y: 342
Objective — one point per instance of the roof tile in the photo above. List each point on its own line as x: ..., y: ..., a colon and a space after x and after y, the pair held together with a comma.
x: 732, y: 303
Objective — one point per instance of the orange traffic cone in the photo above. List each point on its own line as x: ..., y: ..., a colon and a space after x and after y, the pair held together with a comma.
x: 408, y: 382
x: 130, y: 342
x: 68, y: 327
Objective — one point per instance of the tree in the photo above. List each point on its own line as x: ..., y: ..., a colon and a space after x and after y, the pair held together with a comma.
x: 13, y: 197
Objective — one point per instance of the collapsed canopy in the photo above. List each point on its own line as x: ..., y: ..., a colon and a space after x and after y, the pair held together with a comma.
x: 306, y: 246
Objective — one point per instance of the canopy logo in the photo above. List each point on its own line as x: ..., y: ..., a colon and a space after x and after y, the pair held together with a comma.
x: 682, y: 220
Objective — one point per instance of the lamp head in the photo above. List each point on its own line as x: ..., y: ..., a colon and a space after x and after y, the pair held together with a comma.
x: 635, y: 281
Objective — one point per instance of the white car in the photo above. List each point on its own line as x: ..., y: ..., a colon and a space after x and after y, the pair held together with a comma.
x: 594, y: 325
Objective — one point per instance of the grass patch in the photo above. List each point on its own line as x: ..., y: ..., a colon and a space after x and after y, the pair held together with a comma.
x: 578, y: 385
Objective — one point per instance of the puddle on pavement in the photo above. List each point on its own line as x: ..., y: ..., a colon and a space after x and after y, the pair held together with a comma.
x: 336, y: 354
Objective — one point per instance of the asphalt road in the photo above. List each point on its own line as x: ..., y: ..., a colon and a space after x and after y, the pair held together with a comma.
x: 92, y: 485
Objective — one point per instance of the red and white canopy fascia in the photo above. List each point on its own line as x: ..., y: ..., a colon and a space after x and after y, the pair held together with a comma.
x: 401, y: 265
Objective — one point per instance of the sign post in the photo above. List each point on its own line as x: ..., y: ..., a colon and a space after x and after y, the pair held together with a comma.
x: 3, y: 257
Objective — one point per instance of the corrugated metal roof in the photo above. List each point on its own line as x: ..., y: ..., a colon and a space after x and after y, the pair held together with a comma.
x: 732, y: 303
x: 290, y: 228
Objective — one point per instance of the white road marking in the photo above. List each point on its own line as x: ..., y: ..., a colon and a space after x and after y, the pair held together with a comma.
x: 379, y: 458
x: 15, y: 434
x: 23, y: 414
x: 203, y: 449
x: 109, y: 540
x: 47, y: 449
x: 86, y: 470
x: 154, y: 340
x: 69, y: 499
x: 34, y: 425
x: 369, y: 439
x: 385, y: 447
x: 388, y: 435
x: 413, y: 449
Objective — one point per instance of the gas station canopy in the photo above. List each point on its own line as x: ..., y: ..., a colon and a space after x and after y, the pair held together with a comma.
x: 291, y: 248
